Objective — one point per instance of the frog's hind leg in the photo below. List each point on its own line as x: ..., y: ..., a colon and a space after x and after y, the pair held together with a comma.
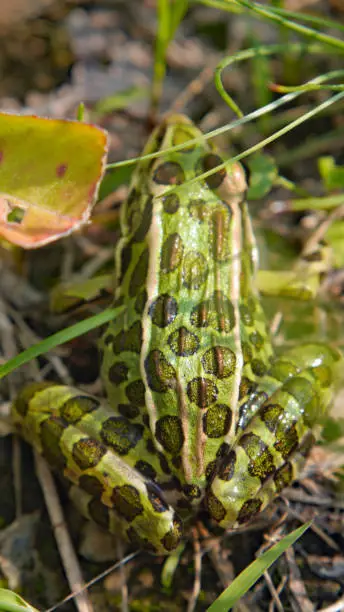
x: 273, y: 440
x: 101, y: 452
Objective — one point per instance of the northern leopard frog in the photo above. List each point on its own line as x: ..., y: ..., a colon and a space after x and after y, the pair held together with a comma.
x: 200, y: 412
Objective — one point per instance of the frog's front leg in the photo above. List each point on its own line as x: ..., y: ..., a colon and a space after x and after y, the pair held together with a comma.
x: 272, y: 442
x: 100, y: 452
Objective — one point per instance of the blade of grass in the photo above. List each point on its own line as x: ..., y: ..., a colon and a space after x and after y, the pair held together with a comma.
x: 80, y: 113
x: 120, y: 99
x: 264, y: 12
x: 177, y: 13
x: 162, y: 40
x: 247, y: 578
x: 12, y: 602
x: 60, y: 337
x: 240, y: 56
x: 314, y: 19
x: 169, y: 18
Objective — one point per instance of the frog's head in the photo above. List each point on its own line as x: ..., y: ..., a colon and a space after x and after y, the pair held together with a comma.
x: 195, y: 155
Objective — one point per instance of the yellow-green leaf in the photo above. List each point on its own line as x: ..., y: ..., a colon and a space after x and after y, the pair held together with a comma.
x: 50, y: 170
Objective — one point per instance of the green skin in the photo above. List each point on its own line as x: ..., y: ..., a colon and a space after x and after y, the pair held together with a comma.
x: 200, y: 412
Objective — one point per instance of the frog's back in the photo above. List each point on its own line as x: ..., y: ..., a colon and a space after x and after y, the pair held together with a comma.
x: 192, y: 339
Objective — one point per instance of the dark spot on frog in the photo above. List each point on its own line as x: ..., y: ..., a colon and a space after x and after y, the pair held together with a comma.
x: 192, y: 491
x: 172, y: 538
x: 247, y: 387
x: 121, y: 435
x: 91, y: 485
x: 283, y: 476
x: 169, y: 433
x: 146, y: 469
x: 126, y: 501
x: 257, y: 340
x: 76, y: 407
x: 217, y: 421
x: 163, y: 310
x: 219, y: 361
x: 171, y: 253
x: 118, y: 373
x: 99, y: 513
x: 183, y: 342
x: 128, y: 410
x: 227, y: 466
x: 170, y: 203
x: 87, y: 452
x: 138, y: 277
x: 135, y: 392
x: 140, y: 301
x: 160, y: 373
x: 261, y: 462
x: 217, y: 312
x: 195, y: 270
x: 128, y: 340
x: 51, y: 431
x: 258, y: 367
x: 214, y: 506
x: 249, y: 509
x: 202, y: 391
x: 145, y: 224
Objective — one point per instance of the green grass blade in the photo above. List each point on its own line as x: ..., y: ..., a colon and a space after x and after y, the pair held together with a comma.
x: 264, y: 12
x: 177, y: 13
x: 308, y: 18
x: 242, y: 583
x: 80, y: 113
x: 162, y: 40
x: 121, y: 99
x: 60, y: 337
x: 169, y: 17
x: 12, y: 602
x: 241, y: 56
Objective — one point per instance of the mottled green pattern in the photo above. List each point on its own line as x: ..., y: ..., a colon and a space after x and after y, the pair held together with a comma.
x: 200, y: 412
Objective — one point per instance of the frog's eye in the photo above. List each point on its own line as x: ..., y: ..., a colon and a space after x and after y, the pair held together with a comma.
x: 169, y: 173
x: 229, y: 180
x: 209, y: 162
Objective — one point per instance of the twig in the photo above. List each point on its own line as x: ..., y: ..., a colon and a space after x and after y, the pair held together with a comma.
x: 198, y: 572
x: 303, y: 498
x: 275, y: 599
x: 93, y: 581
x: 279, y: 590
x: 315, y: 528
x: 64, y: 543
x: 124, y: 585
x: 296, y: 584
x: 212, y: 546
